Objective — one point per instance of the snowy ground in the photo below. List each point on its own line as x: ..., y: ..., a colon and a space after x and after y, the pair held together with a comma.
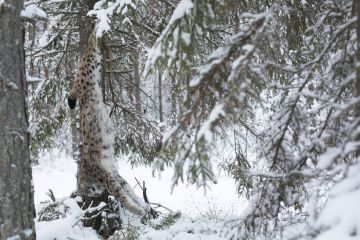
x: 57, y: 171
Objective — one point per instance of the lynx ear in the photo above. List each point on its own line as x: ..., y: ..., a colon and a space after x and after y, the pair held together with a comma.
x: 71, y: 102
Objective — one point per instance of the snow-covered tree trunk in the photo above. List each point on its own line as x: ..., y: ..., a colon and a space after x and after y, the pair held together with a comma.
x: 16, y: 193
x: 86, y: 27
x: 357, y: 89
x: 97, y: 171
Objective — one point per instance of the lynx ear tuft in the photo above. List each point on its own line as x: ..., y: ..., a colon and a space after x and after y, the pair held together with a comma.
x: 71, y: 102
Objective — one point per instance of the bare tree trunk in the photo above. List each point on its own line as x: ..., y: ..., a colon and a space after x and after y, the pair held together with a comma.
x: 16, y: 193
x: 160, y: 99
x: 357, y: 90
x: 357, y: 12
x: 136, y: 87
x: 173, y: 99
x: 86, y: 26
x: 357, y: 87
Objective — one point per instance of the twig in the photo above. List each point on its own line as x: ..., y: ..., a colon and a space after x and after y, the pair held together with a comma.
x: 143, y: 188
x: 162, y: 206
x: 51, y: 195
x: 152, y: 212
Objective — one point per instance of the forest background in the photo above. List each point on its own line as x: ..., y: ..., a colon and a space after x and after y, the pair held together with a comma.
x: 267, y: 90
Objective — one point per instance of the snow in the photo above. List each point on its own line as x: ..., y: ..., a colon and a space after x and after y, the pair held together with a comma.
x: 27, y: 232
x: 65, y: 228
x: 214, y: 58
x: 186, y: 37
x: 205, y: 130
x: 104, y: 14
x: 343, y: 221
x: 328, y: 157
x: 340, y: 217
x: 186, y: 229
x: 33, y: 11
x: 12, y: 85
x: 57, y: 171
x: 15, y: 237
x: 183, y: 8
x: 33, y: 79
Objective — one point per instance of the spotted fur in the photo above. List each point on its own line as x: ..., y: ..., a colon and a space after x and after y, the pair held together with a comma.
x: 97, y: 171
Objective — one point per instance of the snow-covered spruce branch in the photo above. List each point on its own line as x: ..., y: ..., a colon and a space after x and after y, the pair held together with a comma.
x: 211, y: 99
x: 207, y: 73
x: 303, y: 128
x: 183, y: 31
x: 335, y: 37
x: 103, y: 12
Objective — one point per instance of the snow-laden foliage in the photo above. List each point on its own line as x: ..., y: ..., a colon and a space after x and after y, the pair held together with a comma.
x: 53, y: 53
x: 50, y: 56
x: 104, y: 11
x: 216, y: 90
x: 33, y: 12
x: 167, y: 47
x: 277, y: 82
x: 298, y: 65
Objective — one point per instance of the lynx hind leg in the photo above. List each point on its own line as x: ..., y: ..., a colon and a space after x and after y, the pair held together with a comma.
x: 117, y: 190
x: 130, y: 193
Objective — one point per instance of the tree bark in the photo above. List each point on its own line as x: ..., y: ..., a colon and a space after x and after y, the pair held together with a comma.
x: 357, y: 89
x: 86, y: 27
x: 357, y: 12
x: 136, y: 87
x: 16, y: 192
x: 173, y: 99
x: 160, y: 99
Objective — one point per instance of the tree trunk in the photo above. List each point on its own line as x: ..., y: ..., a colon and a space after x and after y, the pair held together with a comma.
x: 357, y: 10
x: 86, y: 27
x: 173, y: 99
x: 16, y: 193
x: 136, y: 87
x: 357, y: 91
x: 85, y: 23
x: 160, y: 99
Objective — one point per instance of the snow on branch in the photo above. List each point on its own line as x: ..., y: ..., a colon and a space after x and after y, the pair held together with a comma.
x: 33, y: 12
x: 219, y: 88
x: 104, y: 11
x: 167, y: 46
